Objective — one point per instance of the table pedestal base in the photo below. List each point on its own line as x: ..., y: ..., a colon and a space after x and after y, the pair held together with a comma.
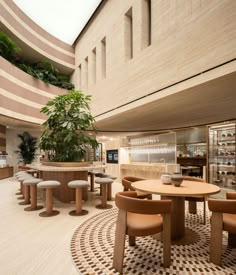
x: 177, y: 217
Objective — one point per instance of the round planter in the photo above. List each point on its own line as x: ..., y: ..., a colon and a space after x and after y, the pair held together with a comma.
x: 66, y: 164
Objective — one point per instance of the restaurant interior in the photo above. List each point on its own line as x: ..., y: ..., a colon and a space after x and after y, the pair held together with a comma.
x: 154, y: 192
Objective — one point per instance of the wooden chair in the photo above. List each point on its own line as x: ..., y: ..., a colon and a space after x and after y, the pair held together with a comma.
x: 127, y: 181
x: 138, y: 217
x: 223, y: 219
x: 192, y: 201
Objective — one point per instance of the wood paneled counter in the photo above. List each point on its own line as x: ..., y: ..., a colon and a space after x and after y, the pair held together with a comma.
x: 6, y: 172
x: 65, y: 175
x: 147, y: 170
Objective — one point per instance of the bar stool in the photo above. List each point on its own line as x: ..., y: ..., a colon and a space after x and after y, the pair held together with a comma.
x: 32, y: 183
x: 49, y: 185
x: 92, y: 175
x: 109, y: 186
x: 23, y: 191
x: 18, y: 175
x: 78, y: 185
x: 104, y: 182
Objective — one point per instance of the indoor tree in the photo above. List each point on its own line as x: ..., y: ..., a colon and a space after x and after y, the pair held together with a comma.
x: 64, y: 136
x: 27, y: 148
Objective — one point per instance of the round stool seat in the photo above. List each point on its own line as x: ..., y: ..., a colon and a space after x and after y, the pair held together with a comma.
x: 92, y: 173
x: 78, y: 183
x: 49, y: 184
x: 31, y: 171
x: 32, y: 181
x: 109, y: 176
x: 24, y: 177
x: 104, y: 180
x: 20, y: 173
x: 99, y: 175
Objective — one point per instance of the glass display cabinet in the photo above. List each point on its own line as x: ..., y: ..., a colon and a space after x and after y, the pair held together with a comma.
x: 222, y: 155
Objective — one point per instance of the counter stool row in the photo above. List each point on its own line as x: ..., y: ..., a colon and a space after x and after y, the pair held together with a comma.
x: 29, y: 186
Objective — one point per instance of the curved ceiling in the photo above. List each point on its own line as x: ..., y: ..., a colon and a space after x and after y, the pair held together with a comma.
x: 63, y: 19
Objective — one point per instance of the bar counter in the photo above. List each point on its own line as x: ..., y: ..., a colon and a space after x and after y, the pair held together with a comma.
x: 65, y: 175
x: 147, y: 170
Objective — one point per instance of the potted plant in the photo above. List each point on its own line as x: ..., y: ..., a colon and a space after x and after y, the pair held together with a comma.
x: 64, y: 137
x: 27, y: 148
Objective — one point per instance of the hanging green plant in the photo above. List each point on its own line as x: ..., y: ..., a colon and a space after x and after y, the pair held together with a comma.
x: 64, y: 136
x: 42, y: 70
x: 8, y: 48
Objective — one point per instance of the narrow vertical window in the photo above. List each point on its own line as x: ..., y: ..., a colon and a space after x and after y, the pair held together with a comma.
x: 86, y: 73
x: 80, y: 77
x: 103, y: 57
x: 146, y: 24
x: 93, y: 66
x: 128, y: 34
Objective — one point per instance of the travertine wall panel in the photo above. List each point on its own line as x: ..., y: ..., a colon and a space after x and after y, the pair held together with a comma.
x: 21, y: 95
x: 188, y: 37
x: 34, y: 38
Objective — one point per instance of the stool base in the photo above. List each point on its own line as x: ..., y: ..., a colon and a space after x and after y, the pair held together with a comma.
x: 45, y: 214
x: 82, y: 213
x: 100, y: 206
x: 20, y: 198
x: 24, y: 203
x: 31, y: 209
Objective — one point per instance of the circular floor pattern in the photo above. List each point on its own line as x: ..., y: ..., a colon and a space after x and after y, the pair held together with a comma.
x: 92, y: 250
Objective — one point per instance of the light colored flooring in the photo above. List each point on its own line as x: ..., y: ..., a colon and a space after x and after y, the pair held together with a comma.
x: 32, y: 245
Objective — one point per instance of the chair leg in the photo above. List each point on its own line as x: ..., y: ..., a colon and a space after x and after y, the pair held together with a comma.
x: 192, y: 207
x: 119, y: 247
x: 216, y: 238
x: 131, y: 240
x: 204, y: 211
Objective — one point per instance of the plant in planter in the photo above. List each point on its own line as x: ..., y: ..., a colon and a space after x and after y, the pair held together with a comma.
x: 64, y: 136
x: 42, y: 70
x: 8, y: 48
x: 27, y: 148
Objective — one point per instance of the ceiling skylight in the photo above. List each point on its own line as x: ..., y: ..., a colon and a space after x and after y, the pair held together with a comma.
x: 62, y: 18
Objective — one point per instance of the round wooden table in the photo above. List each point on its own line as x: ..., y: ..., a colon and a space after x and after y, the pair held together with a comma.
x: 177, y: 195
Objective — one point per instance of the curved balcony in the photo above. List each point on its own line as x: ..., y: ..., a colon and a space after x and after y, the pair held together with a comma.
x: 22, y: 96
x: 36, y: 43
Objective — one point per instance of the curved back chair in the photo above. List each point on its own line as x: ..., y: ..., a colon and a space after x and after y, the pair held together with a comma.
x: 127, y: 181
x: 223, y: 219
x: 137, y: 217
x: 192, y: 201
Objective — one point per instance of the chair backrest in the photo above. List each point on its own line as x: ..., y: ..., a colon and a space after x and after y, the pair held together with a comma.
x: 127, y: 181
x: 193, y: 178
x: 222, y: 205
x: 231, y: 195
x: 128, y: 201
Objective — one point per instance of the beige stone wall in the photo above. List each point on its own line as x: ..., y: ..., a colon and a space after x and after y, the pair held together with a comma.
x: 35, y: 42
x: 22, y: 96
x: 188, y: 37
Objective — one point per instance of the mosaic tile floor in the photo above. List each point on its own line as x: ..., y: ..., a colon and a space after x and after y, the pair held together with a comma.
x: 92, y: 250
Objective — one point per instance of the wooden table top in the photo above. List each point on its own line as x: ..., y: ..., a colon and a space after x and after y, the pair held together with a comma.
x: 187, y: 188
